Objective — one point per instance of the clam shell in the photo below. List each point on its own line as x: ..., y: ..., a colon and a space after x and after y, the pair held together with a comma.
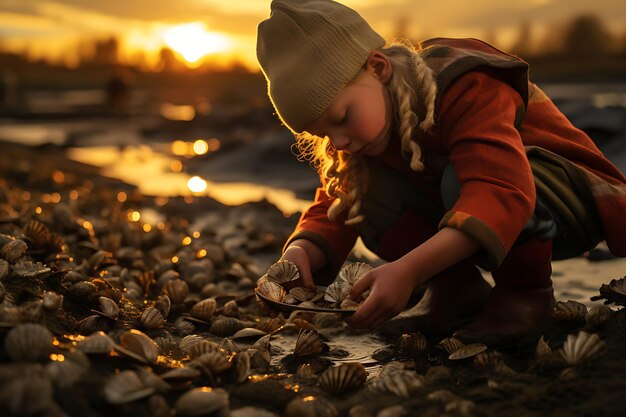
x: 188, y: 341
x: 351, y: 273
x: 542, y: 348
x: 81, y: 290
x: 240, y: 362
x: 613, y: 292
x: 109, y: 307
x: 412, y: 342
x: 308, y: 343
x: 164, y: 305
x: 248, y: 332
x: 302, y: 293
x: 177, y: 290
x: 343, y: 378
x: 202, y: 347
x: 468, y: 351
x: 569, y: 310
x: 598, y: 315
x: 91, y: 324
x: 13, y: 250
x: 204, y: 309
x: 215, y: 361
x: 28, y: 342
x: 226, y: 326
x: 337, y: 292
x: 126, y: 387
x: 183, y: 326
x: 137, y: 345
x: 228, y: 346
x: 401, y: 383
x: 202, y: 401
x: 152, y: 318
x: 186, y: 373
x: 272, y: 291
x: 166, y: 343
x: 580, y: 347
x: 231, y: 309
x: 282, y: 271
x: 98, y: 343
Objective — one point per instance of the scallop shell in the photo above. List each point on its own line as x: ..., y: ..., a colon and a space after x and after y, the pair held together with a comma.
x: 228, y: 346
x: 349, y: 304
x: 282, y: 271
x: 569, y: 310
x: 98, y: 342
x: 188, y: 341
x: 215, y: 361
x: 152, y: 318
x: 351, y: 273
x: 412, y: 342
x: 202, y: 401
x: 468, y: 351
x: 272, y: 291
x: 290, y: 299
x: 451, y: 344
x: 204, y: 309
x: 613, y: 292
x: 202, y: 347
x: 13, y: 250
x: 126, y: 387
x: 28, y: 342
x: 337, y: 292
x: 598, y: 315
x: 308, y: 343
x: 164, y: 305
x: 231, y: 309
x: 91, y: 324
x: 305, y: 371
x: 542, y: 348
x: 343, y: 378
x: 302, y: 293
x: 492, y: 360
x: 226, y: 326
x: 109, y: 308
x: 183, y: 326
x: 186, y: 373
x: 240, y: 362
x: 137, y: 345
x: 401, y: 383
x: 580, y: 347
x: 177, y: 290
x: 167, y: 343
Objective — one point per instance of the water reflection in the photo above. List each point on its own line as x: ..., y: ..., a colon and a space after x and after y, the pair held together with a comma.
x: 152, y: 172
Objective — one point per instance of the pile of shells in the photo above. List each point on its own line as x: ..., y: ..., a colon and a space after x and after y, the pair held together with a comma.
x: 279, y: 285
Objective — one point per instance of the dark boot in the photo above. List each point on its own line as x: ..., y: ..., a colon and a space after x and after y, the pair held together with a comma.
x: 451, y: 299
x: 522, y: 298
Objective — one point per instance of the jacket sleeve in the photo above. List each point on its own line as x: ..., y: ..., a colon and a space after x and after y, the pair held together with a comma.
x: 334, y: 238
x: 477, y: 121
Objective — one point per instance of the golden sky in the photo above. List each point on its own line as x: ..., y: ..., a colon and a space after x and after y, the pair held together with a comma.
x: 57, y: 28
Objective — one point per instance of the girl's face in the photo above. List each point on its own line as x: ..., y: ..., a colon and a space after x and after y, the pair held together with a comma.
x: 359, y: 120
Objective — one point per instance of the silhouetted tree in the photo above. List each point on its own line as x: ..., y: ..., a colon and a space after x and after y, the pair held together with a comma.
x: 587, y: 36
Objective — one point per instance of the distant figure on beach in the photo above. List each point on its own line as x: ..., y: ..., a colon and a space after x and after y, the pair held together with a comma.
x: 441, y: 157
x: 118, y: 92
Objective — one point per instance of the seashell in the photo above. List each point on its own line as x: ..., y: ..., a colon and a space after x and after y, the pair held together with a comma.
x: 188, y: 341
x: 150, y: 379
x: 204, y: 309
x: 542, y: 348
x: 186, y: 373
x: 183, y: 326
x: 215, y: 361
x: 74, y: 277
x: 468, y: 351
x: 96, y: 259
x: 451, y: 344
x: 400, y: 383
x: 442, y: 396
x: 152, y: 318
x: 282, y: 271
x: 167, y: 276
x: 492, y: 360
x: 126, y: 387
x: 28, y: 392
x: 28, y: 342
x: 391, y: 367
x: 349, y: 304
x: 263, y: 343
x: 52, y: 301
x: 177, y: 290
x: 158, y: 406
x: 202, y: 401
x: 308, y: 343
x: 32, y: 311
x: 272, y: 291
x: 337, y: 292
x: 81, y: 290
x: 305, y: 371
x: 67, y: 372
x: 231, y: 309
x: 351, y: 273
x: 271, y: 325
x: 29, y: 269
x: 460, y: 407
x: 10, y: 314
x: 343, y: 378
x: 438, y: 374
x: 13, y: 250
x: 598, y: 315
x: 228, y: 346
x: 310, y: 406
x: 3, y: 292
x: 137, y: 345
x: 580, y: 347
x: 91, y: 324
x: 226, y: 326
x: 4, y: 269
x: 412, y: 342
x: 569, y: 310
x: 209, y: 290
x: 109, y: 308
x: 202, y: 347
x: 290, y: 299
x: 166, y: 343
x: 99, y: 343
x: 164, y: 305
x: 613, y: 292
x: 248, y: 332
x: 302, y: 293
x: 240, y: 363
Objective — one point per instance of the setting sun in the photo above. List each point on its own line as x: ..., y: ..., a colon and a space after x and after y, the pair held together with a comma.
x: 192, y: 41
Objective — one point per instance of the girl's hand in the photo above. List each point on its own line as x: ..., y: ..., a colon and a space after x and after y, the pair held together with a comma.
x: 298, y: 256
x: 392, y: 285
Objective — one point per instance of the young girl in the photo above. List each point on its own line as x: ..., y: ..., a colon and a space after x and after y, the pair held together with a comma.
x: 441, y: 159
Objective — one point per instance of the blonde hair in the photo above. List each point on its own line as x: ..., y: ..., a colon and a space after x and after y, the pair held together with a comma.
x: 344, y: 177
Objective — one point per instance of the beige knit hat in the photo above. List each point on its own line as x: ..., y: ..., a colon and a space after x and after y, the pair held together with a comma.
x: 308, y: 51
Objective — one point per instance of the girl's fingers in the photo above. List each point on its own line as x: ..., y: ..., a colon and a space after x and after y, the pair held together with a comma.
x: 364, y: 314
x: 307, y: 279
x: 361, y: 286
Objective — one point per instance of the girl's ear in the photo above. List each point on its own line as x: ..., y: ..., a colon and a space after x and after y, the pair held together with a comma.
x: 380, y: 65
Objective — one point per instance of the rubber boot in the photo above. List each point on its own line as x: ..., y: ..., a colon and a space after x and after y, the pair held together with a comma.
x: 521, y: 299
x: 452, y: 298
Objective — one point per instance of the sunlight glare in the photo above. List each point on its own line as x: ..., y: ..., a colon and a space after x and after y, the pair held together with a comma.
x: 193, y: 41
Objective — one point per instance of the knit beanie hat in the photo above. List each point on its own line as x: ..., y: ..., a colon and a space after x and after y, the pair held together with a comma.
x: 308, y: 51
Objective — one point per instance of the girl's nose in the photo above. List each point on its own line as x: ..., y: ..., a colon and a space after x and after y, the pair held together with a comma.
x: 340, y: 142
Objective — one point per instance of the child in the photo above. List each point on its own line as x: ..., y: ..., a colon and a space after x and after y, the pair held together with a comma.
x: 440, y: 158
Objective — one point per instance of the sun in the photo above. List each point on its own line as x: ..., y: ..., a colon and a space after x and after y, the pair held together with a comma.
x: 193, y: 41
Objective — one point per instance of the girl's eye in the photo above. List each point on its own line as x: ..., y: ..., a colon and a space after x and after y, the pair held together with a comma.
x: 345, y: 117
